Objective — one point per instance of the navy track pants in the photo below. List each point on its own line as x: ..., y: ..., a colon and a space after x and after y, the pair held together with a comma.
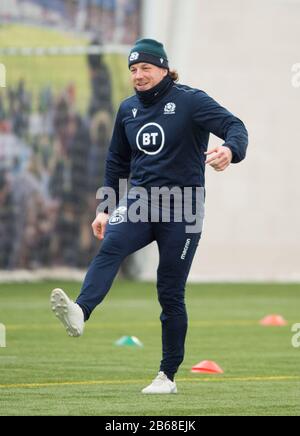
x: 176, y: 252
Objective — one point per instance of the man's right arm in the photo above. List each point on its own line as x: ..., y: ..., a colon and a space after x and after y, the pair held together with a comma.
x: 119, y: 156
x: 117, y: 167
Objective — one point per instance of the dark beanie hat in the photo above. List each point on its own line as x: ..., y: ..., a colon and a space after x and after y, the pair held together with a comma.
x: 149, y: 51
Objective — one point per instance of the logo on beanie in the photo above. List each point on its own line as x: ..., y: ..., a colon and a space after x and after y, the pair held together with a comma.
x: 170, y: 109
x: 134, y: 56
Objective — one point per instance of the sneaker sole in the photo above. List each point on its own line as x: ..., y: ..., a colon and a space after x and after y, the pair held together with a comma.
x: 59, y: 305
x: 174, y: 391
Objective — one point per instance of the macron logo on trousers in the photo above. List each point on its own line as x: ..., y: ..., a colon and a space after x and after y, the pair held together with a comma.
x: 185, y: 250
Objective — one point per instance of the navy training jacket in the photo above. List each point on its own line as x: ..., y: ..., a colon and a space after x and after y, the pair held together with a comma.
x: 164, y: 144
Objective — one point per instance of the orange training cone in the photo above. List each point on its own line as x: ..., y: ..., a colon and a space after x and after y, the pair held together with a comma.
x: 273, y: 320
x: 207, y: 367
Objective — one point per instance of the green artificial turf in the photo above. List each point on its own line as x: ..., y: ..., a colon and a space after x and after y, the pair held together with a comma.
x: 44, y: 372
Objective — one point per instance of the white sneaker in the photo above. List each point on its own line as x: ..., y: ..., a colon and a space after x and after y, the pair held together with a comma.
x: 68, y: 312
x: 161, y: 385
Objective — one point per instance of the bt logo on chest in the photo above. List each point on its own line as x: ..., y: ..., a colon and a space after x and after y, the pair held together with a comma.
x: 150, y: 139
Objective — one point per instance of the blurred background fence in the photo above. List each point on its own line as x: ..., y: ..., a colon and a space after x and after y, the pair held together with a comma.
x: 56, y: 118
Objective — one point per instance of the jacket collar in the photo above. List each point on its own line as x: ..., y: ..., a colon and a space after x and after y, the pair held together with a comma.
x: 153, y: 95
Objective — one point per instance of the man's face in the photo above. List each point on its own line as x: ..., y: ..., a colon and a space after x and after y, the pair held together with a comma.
x: 146, y: 76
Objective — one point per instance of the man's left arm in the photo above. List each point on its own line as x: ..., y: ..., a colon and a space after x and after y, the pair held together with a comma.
x: 212, y: 117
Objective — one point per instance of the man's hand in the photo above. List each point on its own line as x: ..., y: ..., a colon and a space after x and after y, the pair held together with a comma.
x: 99, y: 225
x: 220, y: 158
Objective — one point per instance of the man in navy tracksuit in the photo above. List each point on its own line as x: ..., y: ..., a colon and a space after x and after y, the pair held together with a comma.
x: 160, y: 138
